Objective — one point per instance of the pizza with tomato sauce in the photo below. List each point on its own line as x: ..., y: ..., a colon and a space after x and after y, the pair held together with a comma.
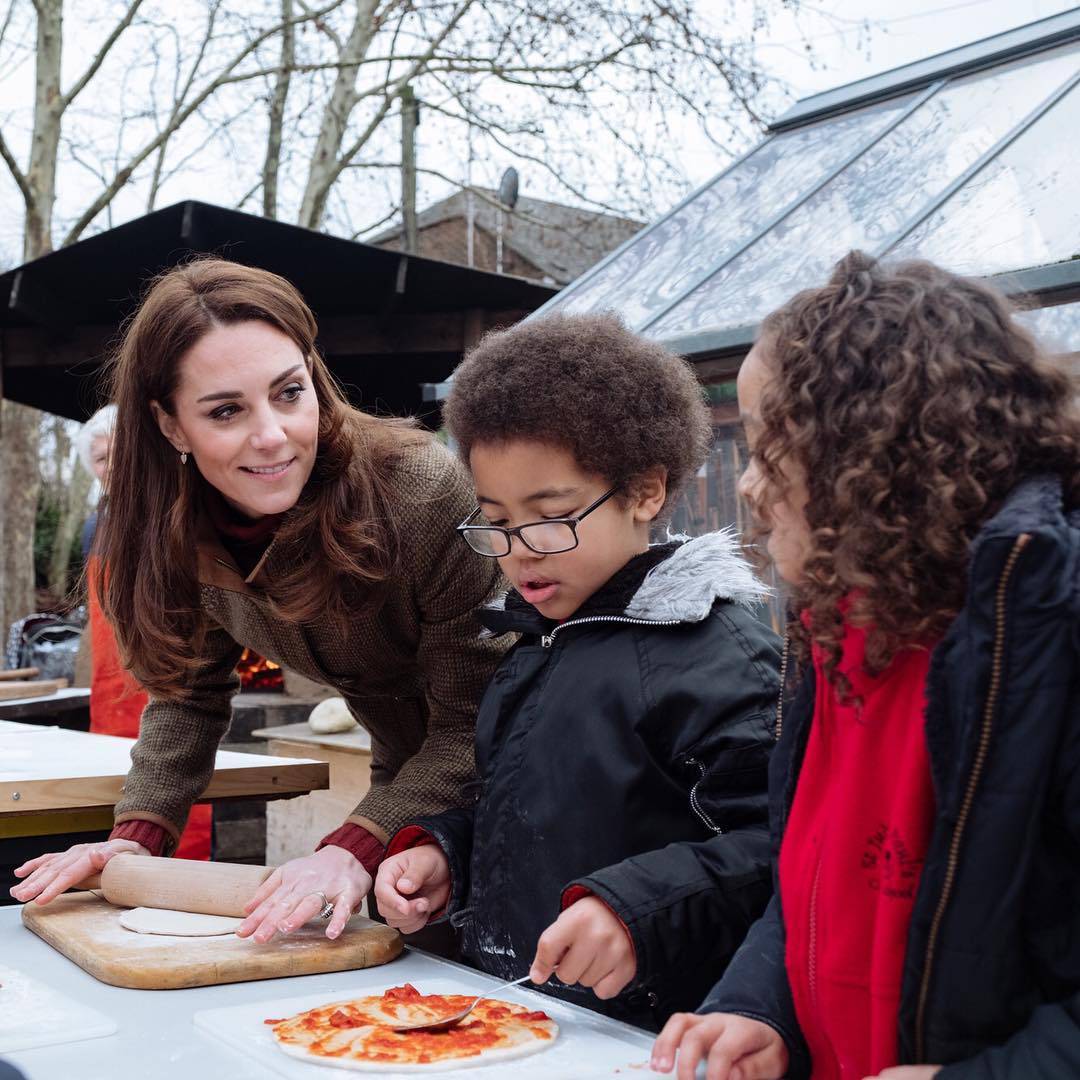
x: 360, y: 1035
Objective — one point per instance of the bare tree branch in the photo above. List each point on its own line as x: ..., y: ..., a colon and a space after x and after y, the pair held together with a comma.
x: 99, y: 58
x: 124, y: 174
x: 16, y: 173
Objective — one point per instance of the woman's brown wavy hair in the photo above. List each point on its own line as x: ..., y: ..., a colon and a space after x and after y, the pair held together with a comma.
x: 914, y: 403
x: 341, y: 536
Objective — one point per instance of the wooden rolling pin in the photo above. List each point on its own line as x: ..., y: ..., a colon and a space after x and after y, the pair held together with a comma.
x: 208, y: 888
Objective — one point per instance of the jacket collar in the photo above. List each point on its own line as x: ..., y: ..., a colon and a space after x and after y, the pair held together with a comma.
x: 675, y: 582
x: 217, y: 568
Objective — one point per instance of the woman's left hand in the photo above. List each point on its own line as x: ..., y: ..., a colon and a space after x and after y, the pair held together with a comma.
x: 907, y: 1072
x: 293, y: 894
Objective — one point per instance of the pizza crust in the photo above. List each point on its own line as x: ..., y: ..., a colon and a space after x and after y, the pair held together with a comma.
x: 144, y: 920
x: 488, y: 1057
x: 358, y: 1035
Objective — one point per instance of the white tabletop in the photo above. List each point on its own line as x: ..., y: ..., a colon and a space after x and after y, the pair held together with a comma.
x: 45, y: 769
x: 158, y: 1036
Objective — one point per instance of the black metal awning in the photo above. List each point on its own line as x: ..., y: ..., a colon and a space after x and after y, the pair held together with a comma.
x: 388, y: 321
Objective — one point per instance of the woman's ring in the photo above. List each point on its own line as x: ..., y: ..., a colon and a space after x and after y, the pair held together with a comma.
x: 327, y: 908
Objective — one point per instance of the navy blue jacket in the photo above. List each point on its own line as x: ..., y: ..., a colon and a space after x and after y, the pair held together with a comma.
x: 991, y: 981
x: 625, y: 750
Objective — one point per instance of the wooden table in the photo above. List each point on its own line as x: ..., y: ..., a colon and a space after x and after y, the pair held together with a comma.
x: 53, y: 780
x: 69, y: 708
x: 294, y: 828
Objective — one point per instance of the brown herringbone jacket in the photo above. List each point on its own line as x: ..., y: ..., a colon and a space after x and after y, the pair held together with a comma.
x: 412, y: 671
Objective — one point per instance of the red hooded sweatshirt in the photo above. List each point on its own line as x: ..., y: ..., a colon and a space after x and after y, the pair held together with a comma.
x: 851, y: 859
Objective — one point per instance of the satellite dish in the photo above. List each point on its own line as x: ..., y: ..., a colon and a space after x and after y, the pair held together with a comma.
x: 508, y: 188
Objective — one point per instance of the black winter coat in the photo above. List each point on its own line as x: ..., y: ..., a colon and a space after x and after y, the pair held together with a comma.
x: 991, y: 982
x: 625, y: 750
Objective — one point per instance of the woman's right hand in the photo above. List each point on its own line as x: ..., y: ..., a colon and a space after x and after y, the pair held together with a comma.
x: 49, y: 875
x: 412, y: 886
x: 732, y: 1047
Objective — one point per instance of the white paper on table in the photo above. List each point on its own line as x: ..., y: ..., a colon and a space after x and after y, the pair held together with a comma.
x: 33, y: 1014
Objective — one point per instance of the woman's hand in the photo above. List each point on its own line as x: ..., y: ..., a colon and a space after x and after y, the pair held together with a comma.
x: 733, y: 1047
x: 293, y: 894
x: 411, y: 886
x: 52, y: 874
x: 586, y: 944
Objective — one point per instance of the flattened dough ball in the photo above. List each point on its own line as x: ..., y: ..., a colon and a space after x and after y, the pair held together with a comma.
x: 148, y: 920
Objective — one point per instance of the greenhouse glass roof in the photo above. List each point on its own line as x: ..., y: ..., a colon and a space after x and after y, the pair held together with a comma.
x: 968, y: 158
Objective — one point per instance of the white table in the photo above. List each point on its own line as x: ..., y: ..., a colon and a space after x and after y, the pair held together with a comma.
x: 158, y: 1037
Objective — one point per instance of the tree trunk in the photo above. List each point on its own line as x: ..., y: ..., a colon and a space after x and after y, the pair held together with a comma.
x: 48, y: 111
x: 335, y: 119
x: 22, y: 482
x: 71, y: 517
x: 277, y: 112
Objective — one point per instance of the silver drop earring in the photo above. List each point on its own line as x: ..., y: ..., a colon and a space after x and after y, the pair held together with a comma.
x: 183, y: 457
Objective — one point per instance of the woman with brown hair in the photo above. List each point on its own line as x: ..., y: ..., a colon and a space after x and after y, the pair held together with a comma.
x: 915, y: 465
x: 250, y: 506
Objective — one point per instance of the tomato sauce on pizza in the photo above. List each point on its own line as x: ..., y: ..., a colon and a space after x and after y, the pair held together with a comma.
x: 359, y: 1034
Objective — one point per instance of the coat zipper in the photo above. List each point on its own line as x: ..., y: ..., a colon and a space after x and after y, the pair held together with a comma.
x: 547, y: 639
x: 989, y: 711
x: 811, y: 950
x: 783, y: 680
x: 695, y: 803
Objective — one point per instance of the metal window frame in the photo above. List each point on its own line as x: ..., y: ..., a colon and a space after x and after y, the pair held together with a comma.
x: 868, y: 144
x: 1021, y: 41
x: 630, y: 241
x: 987, y: 158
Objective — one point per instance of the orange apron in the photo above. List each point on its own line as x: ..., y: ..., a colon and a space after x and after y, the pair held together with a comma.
x: 116, y: 704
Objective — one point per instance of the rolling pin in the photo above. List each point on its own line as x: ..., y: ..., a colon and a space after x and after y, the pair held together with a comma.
x: 208, y: 888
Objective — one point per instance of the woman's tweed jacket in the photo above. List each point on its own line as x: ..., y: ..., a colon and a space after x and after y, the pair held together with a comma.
x: 411, y: 669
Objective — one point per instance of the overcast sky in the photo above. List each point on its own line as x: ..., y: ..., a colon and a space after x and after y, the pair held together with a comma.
x: 850, y: 39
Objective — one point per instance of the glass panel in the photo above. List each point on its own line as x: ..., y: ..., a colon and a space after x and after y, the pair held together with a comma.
x: 1022, y: 210
x: 727, y: 213
x: 1058, y: 328
x: 870, y: 201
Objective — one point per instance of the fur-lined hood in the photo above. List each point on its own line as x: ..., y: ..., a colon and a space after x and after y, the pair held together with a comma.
x: 677, y: 581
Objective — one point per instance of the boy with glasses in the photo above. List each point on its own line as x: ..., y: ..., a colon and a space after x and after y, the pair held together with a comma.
x: 617, y: 850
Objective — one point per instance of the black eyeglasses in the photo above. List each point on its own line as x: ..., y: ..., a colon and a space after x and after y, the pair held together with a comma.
x: 543, y: 537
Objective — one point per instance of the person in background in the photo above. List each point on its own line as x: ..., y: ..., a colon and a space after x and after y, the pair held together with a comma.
x: 116, y: 699
x: 617, y: 850
x: 250, y: 505
x: 92, y: 444
x: 915, y: 464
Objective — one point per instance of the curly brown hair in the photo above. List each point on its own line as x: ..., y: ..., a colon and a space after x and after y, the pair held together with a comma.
x: 913, y: 403
x: 620, y: 404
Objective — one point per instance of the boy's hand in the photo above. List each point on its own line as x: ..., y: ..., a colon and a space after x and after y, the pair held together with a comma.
x: 733, y: 1048
x: 411, y: 886
x: 586, y: 944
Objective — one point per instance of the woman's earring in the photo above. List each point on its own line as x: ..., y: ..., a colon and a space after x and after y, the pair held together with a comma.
x: 183, y: 457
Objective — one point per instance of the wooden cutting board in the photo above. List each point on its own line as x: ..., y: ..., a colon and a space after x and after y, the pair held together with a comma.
x: 87, y: 930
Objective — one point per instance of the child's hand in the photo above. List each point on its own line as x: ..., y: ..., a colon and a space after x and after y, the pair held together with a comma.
x: 586, y: 944
x: 411, y: 886
x: 733, y: 1047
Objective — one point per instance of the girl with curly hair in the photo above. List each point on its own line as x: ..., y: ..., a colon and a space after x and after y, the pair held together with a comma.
x: 916, y: 469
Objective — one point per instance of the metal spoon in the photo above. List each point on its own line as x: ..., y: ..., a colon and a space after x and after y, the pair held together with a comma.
x: 450, y: 1021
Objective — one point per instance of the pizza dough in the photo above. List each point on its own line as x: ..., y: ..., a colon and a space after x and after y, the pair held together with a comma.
x: 331, y: 716
x: 148, y: 920
x: 358, y: 1035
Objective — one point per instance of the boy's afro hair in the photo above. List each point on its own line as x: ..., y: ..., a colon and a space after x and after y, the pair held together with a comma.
x: 619, y: 403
